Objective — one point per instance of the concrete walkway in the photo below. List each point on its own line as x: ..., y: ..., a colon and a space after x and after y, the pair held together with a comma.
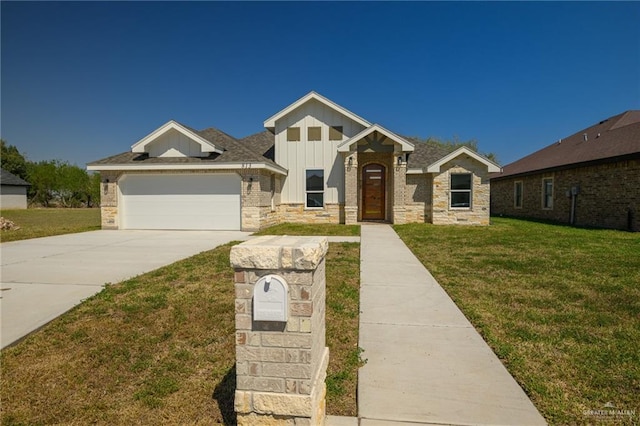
x: 426, y: 364
x: 44, y: 277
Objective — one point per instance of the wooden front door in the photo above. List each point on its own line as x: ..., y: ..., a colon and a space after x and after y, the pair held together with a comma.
x: 373, y: 190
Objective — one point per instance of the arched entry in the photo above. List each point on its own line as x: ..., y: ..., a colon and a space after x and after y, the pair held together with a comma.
x: 373, y: 192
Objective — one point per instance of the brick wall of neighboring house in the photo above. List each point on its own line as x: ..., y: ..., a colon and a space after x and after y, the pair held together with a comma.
x: 608, y: 196
x: 418, y: 197
x: 478, y: 214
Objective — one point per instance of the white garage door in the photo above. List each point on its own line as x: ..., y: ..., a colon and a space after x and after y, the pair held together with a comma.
x: 181, y: 201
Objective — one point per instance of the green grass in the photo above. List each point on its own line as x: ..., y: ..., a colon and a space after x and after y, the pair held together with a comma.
x: 36, y: 223
x: 342, y: 316
x: 560, y: 306
x: 160, y: 349
x: 311, y: 230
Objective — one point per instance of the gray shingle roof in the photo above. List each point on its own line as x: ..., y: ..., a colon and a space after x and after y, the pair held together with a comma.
x: 234, y: 152
x: 259, y: 147
x: 615, y: 137
x: 426, y: 153
x: 262, y: 143
x: 7, y: 178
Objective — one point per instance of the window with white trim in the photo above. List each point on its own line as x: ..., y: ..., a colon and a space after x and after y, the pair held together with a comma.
x: 460, y: 191
x: 547, y: 193
x: 517, y: 194
x: 314, y: 188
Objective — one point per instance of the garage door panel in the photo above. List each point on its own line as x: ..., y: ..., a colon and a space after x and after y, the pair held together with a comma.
x: 181, y: 202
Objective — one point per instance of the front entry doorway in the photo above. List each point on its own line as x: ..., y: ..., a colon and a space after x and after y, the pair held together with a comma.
x: 373, y: 192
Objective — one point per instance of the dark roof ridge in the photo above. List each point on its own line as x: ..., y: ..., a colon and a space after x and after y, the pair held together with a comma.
x: 628, y: 117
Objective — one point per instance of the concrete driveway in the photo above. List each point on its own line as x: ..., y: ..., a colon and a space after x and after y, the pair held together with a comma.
x: 44, y: 277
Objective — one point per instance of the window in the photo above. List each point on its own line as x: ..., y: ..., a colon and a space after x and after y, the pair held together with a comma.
x: 314, y: 134
x: 293, y: 134
x: 547, y: 193
x: 461, y: 190
x: 315, y: 188
x: 517, y: 194
x: 335, y: 133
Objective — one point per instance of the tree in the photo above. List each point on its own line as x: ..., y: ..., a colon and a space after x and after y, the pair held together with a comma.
x: 72, y: 184
x: 492, y: 156
x: 12, y: 160
x: 43, y: 179
x: 451, y: 144
x: 93, y: 190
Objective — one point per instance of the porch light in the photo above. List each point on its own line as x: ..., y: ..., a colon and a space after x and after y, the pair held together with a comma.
x: 350, y: 162
x: 105, y: 186
x: 400, y: 160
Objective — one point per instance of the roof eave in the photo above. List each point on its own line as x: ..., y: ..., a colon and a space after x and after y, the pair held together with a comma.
x: 270, y: 123
x: 218, y: 166
x: 405, y: 144
x: 206, y: 145
x: 435, y: 167
x: 614, y: 159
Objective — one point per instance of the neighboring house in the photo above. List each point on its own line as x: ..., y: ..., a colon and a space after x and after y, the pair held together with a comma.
x: 316, y: 163
x: 591, y: 178
x: 13, y: 191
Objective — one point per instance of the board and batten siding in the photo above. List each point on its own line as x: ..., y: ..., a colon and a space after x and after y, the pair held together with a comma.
x: 303, y: 155
x: 174, y: 144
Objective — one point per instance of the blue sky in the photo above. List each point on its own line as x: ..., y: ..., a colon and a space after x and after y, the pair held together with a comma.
x: 82, y: 81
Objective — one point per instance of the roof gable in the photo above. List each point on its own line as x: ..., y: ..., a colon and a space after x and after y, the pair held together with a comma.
x: 346, y: 146
x: 182, y: 148
x: 436, y: 167
x: 270, y: 123
x: 617, y: 136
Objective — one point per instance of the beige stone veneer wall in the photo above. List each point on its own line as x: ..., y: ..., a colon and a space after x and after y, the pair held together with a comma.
x: 297, y: 213
x: 478, y: 214
x: 418, y: 195
x: 109, y: 199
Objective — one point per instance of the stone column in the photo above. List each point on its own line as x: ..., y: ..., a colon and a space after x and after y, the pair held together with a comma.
x: 109, y: 200
x: 399, y: 186
x: 351, y: 189
x: 281, y: 365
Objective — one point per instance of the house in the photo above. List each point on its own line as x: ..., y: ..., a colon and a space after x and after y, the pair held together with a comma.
x: 13, y: 191
x: 316, y: 162
x: 591, y: 178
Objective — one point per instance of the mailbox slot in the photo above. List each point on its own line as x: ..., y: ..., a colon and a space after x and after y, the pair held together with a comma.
x: 271, y: 299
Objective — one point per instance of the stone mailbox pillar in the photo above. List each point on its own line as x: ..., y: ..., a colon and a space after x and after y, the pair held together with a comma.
x: 281, y: 357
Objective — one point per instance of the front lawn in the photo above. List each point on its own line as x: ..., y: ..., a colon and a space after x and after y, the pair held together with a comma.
x: 560, y: 306
x: 36, y: 223
x: 322, y: 229
x: 160, y: 349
